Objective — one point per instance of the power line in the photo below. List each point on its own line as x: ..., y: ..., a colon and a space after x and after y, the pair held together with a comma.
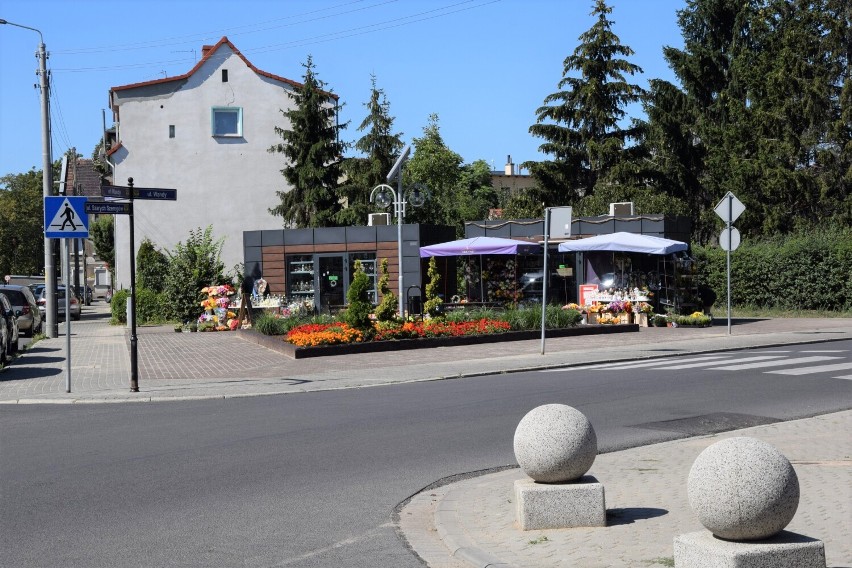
x: 195, y: 38
x: 322, y: 38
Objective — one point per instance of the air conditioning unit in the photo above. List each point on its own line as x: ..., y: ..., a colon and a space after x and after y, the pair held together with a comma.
x: 378, y: 219
x: 623, y: 208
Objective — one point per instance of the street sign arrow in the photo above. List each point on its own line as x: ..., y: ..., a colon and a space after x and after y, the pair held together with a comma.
x: 730, y: 208
x: 111, y: 208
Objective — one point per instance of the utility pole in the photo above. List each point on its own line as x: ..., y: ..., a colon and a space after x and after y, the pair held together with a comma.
x: 47, y: 182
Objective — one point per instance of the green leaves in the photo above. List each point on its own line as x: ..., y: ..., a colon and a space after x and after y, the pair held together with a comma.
x: 313, y: 156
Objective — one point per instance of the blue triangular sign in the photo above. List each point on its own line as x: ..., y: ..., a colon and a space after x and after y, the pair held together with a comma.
x: 65, y: 217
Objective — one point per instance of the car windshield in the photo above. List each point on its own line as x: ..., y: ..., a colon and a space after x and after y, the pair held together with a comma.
x: 15, y: 297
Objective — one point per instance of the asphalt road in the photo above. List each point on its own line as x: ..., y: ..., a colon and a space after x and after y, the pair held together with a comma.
x: 313, y: 479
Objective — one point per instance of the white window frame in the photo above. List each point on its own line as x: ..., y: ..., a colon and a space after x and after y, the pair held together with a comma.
x: 229, y: 110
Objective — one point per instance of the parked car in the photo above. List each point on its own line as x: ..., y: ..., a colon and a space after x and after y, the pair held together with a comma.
x: 25, y: 307
x: 4, y: 339
x: 74, y: 307
x: 84, y: 293
x: 11, y: 324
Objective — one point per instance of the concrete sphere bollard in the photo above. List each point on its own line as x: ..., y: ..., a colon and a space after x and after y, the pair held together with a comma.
x: 743, y: 489
x: 555, y: 443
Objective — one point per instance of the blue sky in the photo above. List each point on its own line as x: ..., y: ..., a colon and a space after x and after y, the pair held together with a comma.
x: 483, y: 66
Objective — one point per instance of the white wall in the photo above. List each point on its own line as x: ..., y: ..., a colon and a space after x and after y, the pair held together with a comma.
x: 229, y: 183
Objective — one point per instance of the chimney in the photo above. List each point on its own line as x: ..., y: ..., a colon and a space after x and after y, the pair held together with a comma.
x: 510, y: 167
x: 205, y: 49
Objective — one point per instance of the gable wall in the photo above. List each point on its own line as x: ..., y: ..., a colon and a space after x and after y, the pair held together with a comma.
x: 229, y: 183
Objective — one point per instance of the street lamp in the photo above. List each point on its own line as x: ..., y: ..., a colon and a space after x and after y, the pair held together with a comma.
x: 384, y: 195
x: 47, y: 181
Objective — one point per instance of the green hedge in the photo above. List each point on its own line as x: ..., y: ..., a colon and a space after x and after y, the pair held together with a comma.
x: 118, y: 306
x: 801, y: 272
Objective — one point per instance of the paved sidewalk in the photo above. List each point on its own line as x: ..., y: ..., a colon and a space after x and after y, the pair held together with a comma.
x: 472, y: 523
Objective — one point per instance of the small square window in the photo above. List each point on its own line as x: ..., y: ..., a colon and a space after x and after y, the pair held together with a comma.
x: 227, y: 121
x: 171, y: 131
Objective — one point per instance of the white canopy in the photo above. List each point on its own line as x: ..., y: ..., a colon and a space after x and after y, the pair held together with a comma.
x: 624, y: 242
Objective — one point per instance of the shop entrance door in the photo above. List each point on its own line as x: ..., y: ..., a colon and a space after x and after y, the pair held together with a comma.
x: 332, y: 282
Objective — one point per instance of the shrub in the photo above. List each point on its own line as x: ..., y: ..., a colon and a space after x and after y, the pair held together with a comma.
x: 152, y: 266
x: 192, y: 266
x: 807, y: 271
x: 357, y: 315
x: 118, y: 306
x: 271, y: 324
x: 151, y: 306
x: 386, y: 310
x: 433, y: 305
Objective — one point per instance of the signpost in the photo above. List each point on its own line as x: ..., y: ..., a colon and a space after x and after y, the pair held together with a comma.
x: 729, y: 210
x: 130, y: 193
x: 65, y: 218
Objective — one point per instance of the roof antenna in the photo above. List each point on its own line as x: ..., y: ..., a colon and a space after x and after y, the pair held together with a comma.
x: 192, y: 51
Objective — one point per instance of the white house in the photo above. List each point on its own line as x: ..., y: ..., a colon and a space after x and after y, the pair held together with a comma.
x: 205, y: 134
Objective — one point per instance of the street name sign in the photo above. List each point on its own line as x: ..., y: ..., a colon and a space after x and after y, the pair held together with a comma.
x: 123, y: 192
x: 730, y: 208
x: 108, y: 208
x: 65, y: 217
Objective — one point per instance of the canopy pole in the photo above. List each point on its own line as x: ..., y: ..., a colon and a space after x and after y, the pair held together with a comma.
x: 544, y: 277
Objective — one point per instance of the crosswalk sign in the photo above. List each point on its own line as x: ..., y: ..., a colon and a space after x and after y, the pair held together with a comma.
x: 65, y: 217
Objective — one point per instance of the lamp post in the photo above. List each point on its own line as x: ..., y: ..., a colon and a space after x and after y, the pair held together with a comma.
x: 47, y: 181
x: 383, y: 195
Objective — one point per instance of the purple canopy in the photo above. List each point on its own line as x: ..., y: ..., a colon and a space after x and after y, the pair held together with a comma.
x: 479, y: 245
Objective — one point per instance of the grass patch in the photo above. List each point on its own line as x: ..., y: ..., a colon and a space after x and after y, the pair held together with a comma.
x: 663, y: 561
x: 542, y: 539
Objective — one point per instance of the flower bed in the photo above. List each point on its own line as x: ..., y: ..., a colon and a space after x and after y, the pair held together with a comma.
x: 323, y: 350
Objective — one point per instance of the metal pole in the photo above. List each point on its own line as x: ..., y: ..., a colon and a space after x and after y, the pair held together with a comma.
x: 134, y: 367
x: 544, y: 276
x: 730, y: 243
x: 66, y: 269
x: 47, y: 182
x: 400, y: 214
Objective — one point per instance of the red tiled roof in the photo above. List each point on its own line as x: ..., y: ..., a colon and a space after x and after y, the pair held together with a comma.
x: 87, y: 181
x: 208, y: 53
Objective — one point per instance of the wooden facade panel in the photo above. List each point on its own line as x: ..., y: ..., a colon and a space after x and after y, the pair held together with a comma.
x: 272, y: 273
x: 273, y: 262
x: 331, y: 247
x: 277, y: 249
x: 298, y: 249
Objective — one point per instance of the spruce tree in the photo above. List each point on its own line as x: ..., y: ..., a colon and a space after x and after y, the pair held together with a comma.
x: 313, y: 155
x: 759, y: 113
x: 380, y: 148
x: 580, y: 123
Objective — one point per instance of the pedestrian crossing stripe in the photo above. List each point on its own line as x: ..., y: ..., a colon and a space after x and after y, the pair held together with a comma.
x: 730, y: 362
x: 65, y: 217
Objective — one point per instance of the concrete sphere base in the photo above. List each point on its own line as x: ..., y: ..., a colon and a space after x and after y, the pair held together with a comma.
x: 743, y: 489
x: 555, y: 443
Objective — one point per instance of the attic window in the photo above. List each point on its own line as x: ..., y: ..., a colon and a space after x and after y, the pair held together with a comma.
x: 227, y: 121
x: 224, y: 75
